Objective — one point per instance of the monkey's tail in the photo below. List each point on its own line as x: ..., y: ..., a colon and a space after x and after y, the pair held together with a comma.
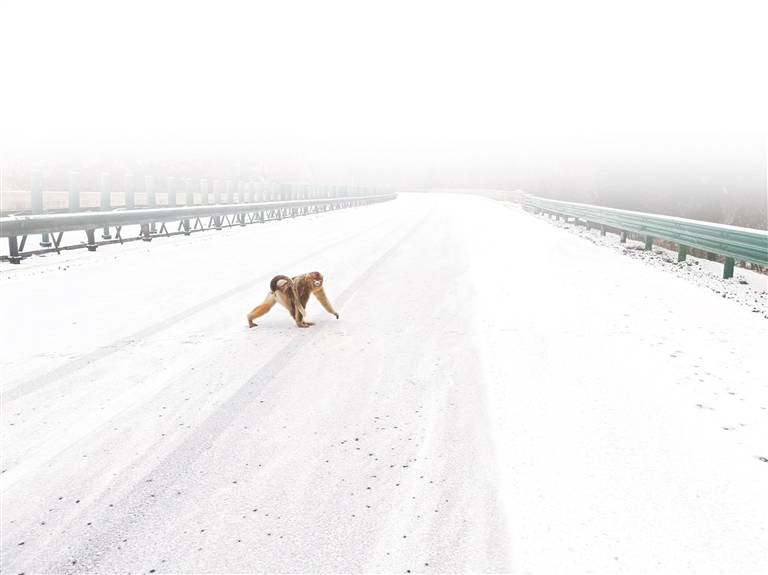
x: 273, y: 283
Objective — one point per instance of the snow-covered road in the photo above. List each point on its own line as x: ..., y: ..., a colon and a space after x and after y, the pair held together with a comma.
x: 497, y: 395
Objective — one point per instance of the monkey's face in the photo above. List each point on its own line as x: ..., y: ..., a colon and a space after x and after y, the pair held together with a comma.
x: 316, y: 279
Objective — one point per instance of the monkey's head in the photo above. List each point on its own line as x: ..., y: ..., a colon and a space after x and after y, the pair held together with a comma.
x: 315, y: 280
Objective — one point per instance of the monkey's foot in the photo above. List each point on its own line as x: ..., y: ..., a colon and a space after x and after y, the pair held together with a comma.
x: 251, y: 324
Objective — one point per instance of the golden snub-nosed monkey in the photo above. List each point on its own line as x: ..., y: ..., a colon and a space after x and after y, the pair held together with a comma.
x: 293, y: 294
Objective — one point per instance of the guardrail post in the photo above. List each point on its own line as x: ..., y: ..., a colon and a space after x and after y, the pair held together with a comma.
x: 74, y: 192
x: 91, y: 235
x: 105, y: 202
x: 682, y: 251
x: 623, y: 237
x: 648, y: 242
x: 204, y: 191
x: 129, y: 191
x: 13, y: 250
x: 728, y: 268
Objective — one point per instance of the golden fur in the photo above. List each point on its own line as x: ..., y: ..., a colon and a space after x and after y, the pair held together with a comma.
x: 293, y: 294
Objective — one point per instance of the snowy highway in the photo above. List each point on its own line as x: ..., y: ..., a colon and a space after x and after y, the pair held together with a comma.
x: 497, y: 396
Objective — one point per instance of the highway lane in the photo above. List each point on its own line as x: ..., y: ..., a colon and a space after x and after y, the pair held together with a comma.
x: 482, y: 405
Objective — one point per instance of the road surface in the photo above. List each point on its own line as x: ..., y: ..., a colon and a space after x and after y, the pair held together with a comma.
x: 497, y: 396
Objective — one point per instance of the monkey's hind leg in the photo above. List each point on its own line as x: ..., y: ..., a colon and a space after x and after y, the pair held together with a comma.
x: 262, y: 309
x: 301, y: 318
x: 298, y: 316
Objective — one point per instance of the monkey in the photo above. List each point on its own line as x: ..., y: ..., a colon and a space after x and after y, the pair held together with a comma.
x: 293, y: 294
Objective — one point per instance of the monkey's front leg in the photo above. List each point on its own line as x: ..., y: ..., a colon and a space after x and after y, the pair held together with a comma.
x: 323, y: 299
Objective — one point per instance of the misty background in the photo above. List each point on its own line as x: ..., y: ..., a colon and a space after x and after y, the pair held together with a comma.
x: 655, y: 106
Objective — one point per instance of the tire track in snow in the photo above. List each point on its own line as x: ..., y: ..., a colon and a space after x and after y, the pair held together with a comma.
x: 179, y: 463
x: 25, y: 387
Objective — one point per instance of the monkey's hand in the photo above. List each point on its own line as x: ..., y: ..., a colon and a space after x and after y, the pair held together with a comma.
x: 337, y: 315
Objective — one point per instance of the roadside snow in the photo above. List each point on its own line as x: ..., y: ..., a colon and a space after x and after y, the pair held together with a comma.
x: 746, y: 287
x: 633, y: 404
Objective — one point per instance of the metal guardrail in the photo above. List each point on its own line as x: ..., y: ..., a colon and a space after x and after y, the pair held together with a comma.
x: 735, y: 243
x: 189, y: 218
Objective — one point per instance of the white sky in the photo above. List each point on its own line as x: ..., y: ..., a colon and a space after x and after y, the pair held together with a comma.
x: 382, y: 84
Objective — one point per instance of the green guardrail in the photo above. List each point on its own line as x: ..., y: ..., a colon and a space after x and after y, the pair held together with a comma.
x: 735, y: 243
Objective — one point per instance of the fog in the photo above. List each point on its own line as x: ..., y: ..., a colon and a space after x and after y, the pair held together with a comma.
x: 633, y: 104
